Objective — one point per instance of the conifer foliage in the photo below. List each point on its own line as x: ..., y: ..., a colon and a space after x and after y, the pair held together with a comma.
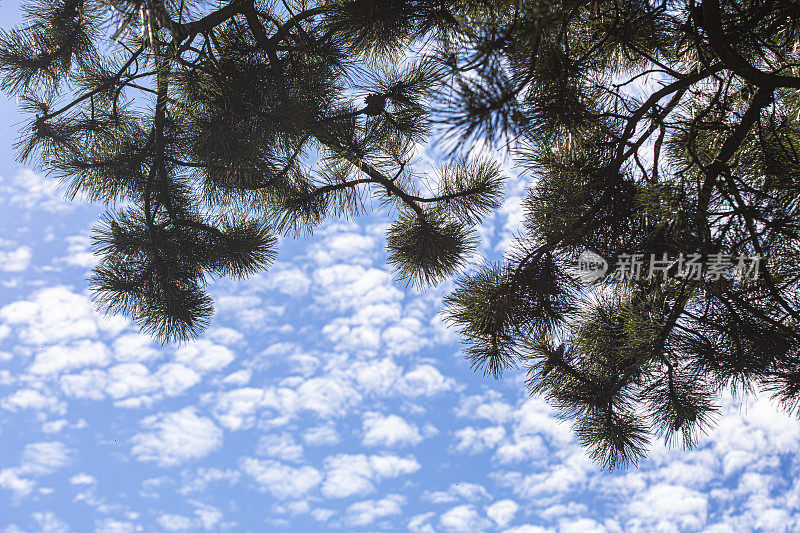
x: 644, y: 127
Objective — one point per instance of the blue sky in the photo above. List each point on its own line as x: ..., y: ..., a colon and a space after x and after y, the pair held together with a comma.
x: 324, y: 397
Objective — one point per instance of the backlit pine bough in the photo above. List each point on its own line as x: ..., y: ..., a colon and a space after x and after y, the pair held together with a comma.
x: 645, y: 127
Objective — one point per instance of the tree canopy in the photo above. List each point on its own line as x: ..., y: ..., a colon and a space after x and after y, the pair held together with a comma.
x: 646, y: 129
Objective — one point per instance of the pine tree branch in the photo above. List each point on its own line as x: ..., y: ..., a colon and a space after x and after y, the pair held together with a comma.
x: 158, y: 168
x: 572, y: 371
x: 446, y: 197
x: 332, y: 187
x: 214, y: 19
x: 757, y: 312
x: 584, y: 224
x: 711, y: 21
x: 681, y: 84
x: 761, y: 99
x: 657, y: 123
x: 387, y: 183
x: 283, y: 31
x: 263, y: 40
x: 104, y: 86
x: 187, y: 223
x: 751, y: 230
x: 283, y: 173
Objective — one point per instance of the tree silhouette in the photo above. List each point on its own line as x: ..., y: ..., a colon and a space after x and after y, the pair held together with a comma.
x: 648, y: 129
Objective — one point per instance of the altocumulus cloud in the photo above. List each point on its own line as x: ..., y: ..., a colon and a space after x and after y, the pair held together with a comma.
x: 170, y: 439
x: 324, y: 397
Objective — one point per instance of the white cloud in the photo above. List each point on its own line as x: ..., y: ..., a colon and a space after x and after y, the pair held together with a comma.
x: 54, y: 426
x: 348, y: 287
x: 282, y: 481
x: 376, y: 318
x: 331, y: 395
x: 463, y: 519
x: 520, y: 448
x: 366, y: 512
x: 38, y: 459
x: 236, y: 409
x: 405, y: 337
x: 460, y: 490
x: 502, y: 512
x: 322, y: 515
x: 42, y: 458
x: 384, y: 377
x: 204, y: 356
x: 535, y: 417
x: 390, y: 430
x: 560, y: 478
x: 135, y: 348
x: 88, y: 384
x: 79, y: 252
x: 174, y: 438
x: 200, y: 479
x: 131, y: 385
x: 32, y: 399
x: 129, y: 379
x: 748, y: 429
x: 48, y: 522
x: 511, y: 211
x: 530, y: 432
x: 10, y: 479
x: 281, y: 446
x: 240, y: 377
x: 173, y: 522
x: 296, y: 507
x: 82, y: 479
x: 110, y: 525
x: 302, y: 364
x: 176, y: 378
x: 327, y: 397
x: 421, y: 523
x: 207, y: 516
x: 15, y: 260
x: 527, y: 528
x: 249, y: 310
x: 587, y: 525
x: 56, y: 315
x: 348, y: 475
x: 287, y: 280
x: 30, y: 190
x: 56, y: 359
x: 425, y: 380
x: 477, y: 440
x: 227, y: 336
x: 349, y: 335
x: 344, y: 247
x: 324, y: 435
x: 380, y: 377
x: 665, y: 506
x: 489, y: 406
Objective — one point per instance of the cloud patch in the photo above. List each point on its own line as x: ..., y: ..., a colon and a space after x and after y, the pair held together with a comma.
x: 170, y: 439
